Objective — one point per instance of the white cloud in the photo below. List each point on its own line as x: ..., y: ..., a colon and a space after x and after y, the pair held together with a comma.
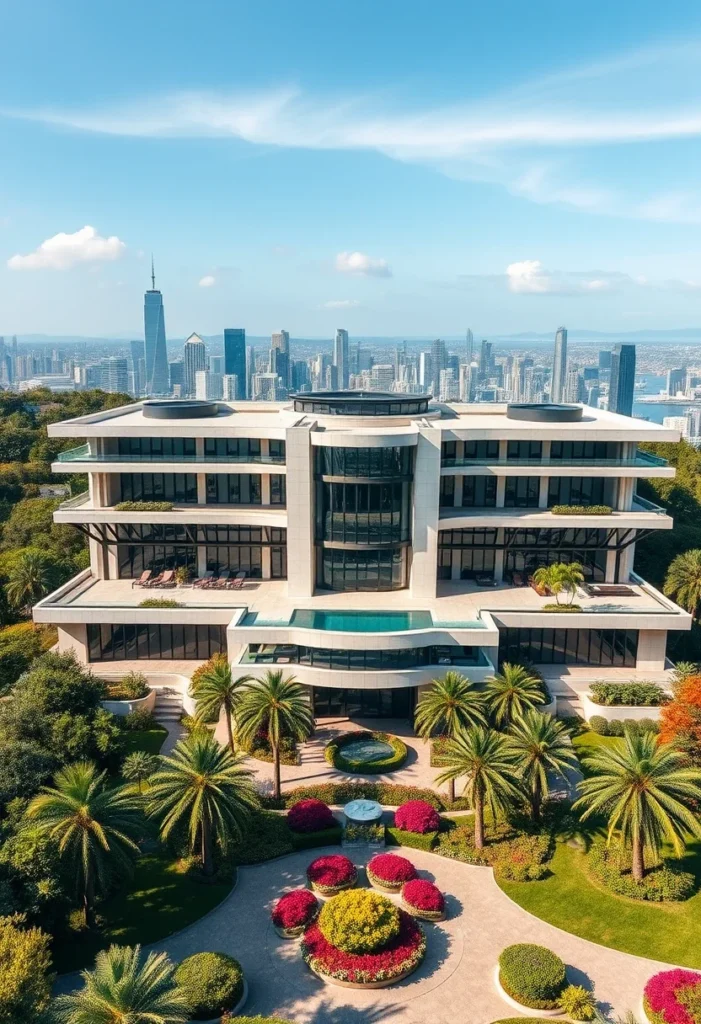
x: 63, y: 251
x: 341, y: 304
x: 208, y: 281
x: 361, y: 263
x: 530, y: 277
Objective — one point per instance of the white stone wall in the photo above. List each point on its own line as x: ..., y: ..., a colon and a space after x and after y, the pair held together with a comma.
x: 300, y: 518
x: 427, y: 472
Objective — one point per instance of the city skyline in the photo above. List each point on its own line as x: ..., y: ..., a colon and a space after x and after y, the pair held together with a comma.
x: 547, y: 178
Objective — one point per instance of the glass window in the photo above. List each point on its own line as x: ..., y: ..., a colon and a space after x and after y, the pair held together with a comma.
x: 605, y: 647
x: 180, y: 488
x: 576, y: 490
x: 482, y: 450
x: 522, y: 492
x: 524, y: 450
x: 479, y: 491
x: 154, y: 642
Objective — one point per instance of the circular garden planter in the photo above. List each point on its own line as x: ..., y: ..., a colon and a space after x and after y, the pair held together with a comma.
x: 366, y: 753
x: 429, y: 897
x: 330, y: 875
x: 527, y: 1011
x: 388, y: 872
x: 294, y: 912
x: 233, y: 1012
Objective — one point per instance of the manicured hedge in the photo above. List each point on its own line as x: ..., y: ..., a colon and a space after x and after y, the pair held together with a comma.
x: 417, y: 816
x: 532, y: 975
x: 335, y: 756
x: 611, y: 867
x: 398, y: 837
x: 144, y: 506
x: 325, y: 837
x: 616, y: 727
x: 581, y: 510
x: 211, y: 984
x: 636, y: 695
x: 389, y: 794
x: 310, y: 816
x: 359, y: 921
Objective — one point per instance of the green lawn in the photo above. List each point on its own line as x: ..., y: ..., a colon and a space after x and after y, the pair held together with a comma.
x: 149, y: 740
x: 569, y: 900
x: 160, y: 899
x: 588, y: 741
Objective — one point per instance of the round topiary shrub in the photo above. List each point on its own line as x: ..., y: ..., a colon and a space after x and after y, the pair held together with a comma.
x: 310, y: 816
x: 389, y: 872
x: 294, y: 911
x: 532, y: 975
x: 329, y: 875
x: 616, y: 727
x: 360, y: 921
x: 599, y: 725
x: 671, y: 997
x: 417, y: 816
x: 211, y: 983
x: 423, y: 899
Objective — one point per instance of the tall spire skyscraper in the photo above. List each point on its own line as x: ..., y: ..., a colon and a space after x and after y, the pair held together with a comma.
x: 557, y: 384
x: 155, y: 340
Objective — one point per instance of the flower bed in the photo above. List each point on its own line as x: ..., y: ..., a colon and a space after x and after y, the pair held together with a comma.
x: 673, y: 997
x: 633, y: 695
x: 360, y: 921
x: 423, y: 899
x: 386, y: 966
x: 389, y: 794
x: 334, y: 753
x: 389, y: 872
x: 332, y: 874
x: 310, y: 816
x: 293, y: 912
x: 417, y: 816
x: 533, y: 976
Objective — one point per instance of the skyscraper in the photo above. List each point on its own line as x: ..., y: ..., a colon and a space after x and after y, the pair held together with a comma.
x: 340, y: 357
x: 195, y: 358
x: 115, y: 375
x: 485, y: 365
x: 439, y: 361
x: 280, y: 356
x: 155, y: 340
x: 604, y: 360
x: 622, y: 386
x: 469, y: 346
x: 235, y: 358
x: 675, y: 381
x: 138, y: 366
x: 557, y: 383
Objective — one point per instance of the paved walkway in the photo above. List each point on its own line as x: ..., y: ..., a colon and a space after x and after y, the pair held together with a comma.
x: 454, y: 984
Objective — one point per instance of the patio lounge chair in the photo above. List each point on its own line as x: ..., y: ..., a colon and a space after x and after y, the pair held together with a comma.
x: 223, y: 580
x: 167, y: 579
x: 238, y: 579
x: 153, y: 581
x: 143, y: 579
x: 202, y: 581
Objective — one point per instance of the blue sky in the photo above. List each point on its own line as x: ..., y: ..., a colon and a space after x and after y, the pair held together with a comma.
x: 394, y: 168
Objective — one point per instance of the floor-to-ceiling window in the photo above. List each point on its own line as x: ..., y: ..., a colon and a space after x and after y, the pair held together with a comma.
x: 569, y: 646
x: 148, y: 642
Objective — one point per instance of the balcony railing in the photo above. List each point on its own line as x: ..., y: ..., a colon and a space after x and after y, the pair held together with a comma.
x: 643, y: 460
x: 76, y: 500
x: 648, y: 506
x: 83, y: 454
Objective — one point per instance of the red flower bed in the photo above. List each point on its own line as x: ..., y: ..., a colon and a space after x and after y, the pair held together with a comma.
x: 424, y: 896
x: 417, y: 816
x: 331, y: 872
x: 391, y: 869
x: 403, y: 953
x: 295, y: 909
x: 310, y: 816
x: 668, y: 994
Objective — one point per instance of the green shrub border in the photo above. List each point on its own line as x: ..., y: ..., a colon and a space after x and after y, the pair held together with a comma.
x: 389, y: 794
x: 417, y: 841
x: 525, y: 962
x: 144, y: 506
x: 324, y: 837
x: 333, y: 753
x: 664, y: 884
x: 581, y: 510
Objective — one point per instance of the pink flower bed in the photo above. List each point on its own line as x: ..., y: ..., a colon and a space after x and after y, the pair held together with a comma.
x: 331, y: 872
x: 295, y: 909
x: 417, y: 816
x: 424, y: 896
x: 665, y: 995
x: 310, y: 816
x: 402, y: 954
x: 393, y: 870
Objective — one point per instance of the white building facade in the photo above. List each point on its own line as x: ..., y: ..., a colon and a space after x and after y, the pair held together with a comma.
x: 378, y: 539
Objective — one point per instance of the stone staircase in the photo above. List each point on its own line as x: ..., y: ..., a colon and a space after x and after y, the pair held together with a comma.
x: 169, y: 706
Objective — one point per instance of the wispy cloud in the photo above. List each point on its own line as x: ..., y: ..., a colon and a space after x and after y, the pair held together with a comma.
x: 208, y: 281
x: 63, y: 251
x: 532, y: 277
x: 360, y: 264
x: 522, y: 139
x: 341, y: 304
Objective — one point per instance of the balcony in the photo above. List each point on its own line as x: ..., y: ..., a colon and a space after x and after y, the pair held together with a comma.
x: 84, y: 455
x: 642, y: 461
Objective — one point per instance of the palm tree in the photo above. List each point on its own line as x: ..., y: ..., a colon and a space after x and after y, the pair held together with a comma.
x: 559, y: 577
x: 94, y: 826
x: 483, y: 757
x: 29, y: 581
x: 216, y: 689
x: 124, y: 988
x: 645, y: 790
x: 512, y: 692
x: 205, y: 786
x: 139, y: 766
x: 279, y: 704
x: 451, y: 704
x: 683, y: 580
x: 540, y: 744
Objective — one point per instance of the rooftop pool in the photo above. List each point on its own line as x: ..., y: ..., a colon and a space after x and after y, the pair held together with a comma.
x: 357, y: 621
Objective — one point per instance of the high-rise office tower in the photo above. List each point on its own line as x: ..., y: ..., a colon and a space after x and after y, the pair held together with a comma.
x: 439, y: 361
x: 250, y: 370
x: 486, y: 360
x: 137, y: 355
x: 230, y: 387
x: 675, y: 381
x: 176, y: 375
x: 280, y: 356
x: 195, y: 358
x: 622, y: 386
x: 300, y: 374
x: 115, y: 375
x: 425, y: 370
x: 216, y: 364
x: 604, y: 360
x: 465, y: 382
x: 266, y: 387
x: 156, y: 382
x: 574, y: 390
x: 235, y: 358
x: 382, y: 377
x: 209, y: 386
x: 469, y: 346
x: 449, y: 386
x: 340, y: 358
x: 557, y: 383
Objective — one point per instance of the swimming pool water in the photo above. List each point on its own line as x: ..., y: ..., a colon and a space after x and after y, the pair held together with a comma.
x: 361, y: 622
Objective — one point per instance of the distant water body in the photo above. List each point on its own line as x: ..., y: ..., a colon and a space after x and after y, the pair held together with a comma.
x: 654, y: 411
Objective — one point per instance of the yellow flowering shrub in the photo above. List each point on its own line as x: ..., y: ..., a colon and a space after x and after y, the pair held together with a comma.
x: 359, y: 921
